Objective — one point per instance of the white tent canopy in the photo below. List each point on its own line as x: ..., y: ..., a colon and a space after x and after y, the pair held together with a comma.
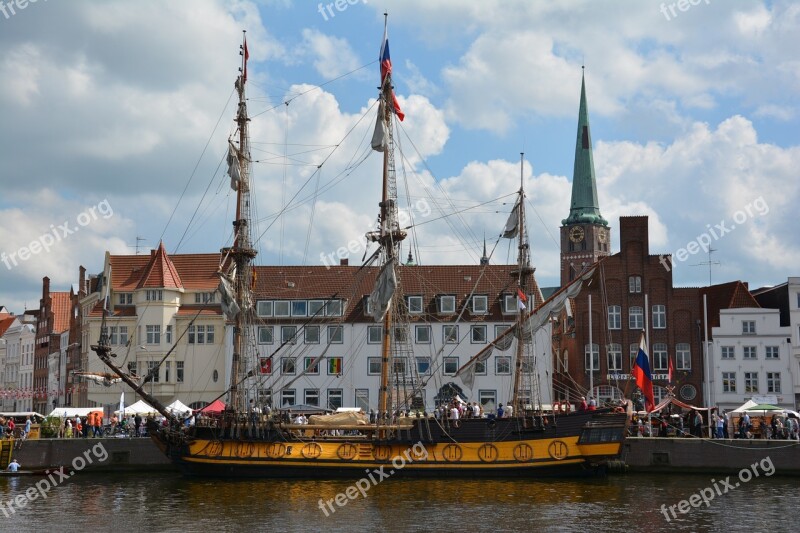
x: 70, y: 412
x: 745, y: 406
x: 139, y: 408
x: 178, y: 408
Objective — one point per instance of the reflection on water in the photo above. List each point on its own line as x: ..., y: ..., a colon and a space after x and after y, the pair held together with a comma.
x: 167, y: 502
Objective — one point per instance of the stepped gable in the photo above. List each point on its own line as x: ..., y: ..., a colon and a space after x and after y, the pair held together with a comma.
x: 731, y: 295
x: 60, y: 307
x: 160, y: 272
x: 353, y: 283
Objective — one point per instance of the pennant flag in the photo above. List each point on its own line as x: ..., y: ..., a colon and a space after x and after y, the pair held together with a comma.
x: 246, y: 57
x: 641, y: 372
x: 521, y: 298
x: 670, y: 371
x: 386, y: 71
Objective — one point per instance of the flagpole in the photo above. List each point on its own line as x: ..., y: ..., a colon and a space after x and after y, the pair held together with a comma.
x: 591, y: 352
x: 650, y: 348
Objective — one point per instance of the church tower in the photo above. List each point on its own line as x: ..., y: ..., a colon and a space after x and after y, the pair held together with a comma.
x: 585, y: 236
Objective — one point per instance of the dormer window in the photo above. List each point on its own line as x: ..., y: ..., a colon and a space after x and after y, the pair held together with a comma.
x: 446, y: 304
x: 124, y: 298
x: 204, y: 297
x: 480, y: 305
x: 154, y: 295
x: 414, y: 305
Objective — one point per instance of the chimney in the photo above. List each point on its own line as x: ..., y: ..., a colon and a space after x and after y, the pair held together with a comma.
x: 81, y: 280
x: 344, y: 262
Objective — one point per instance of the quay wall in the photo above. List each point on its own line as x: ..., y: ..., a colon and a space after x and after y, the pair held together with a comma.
x: 124, y: 454
x: 708, y: 456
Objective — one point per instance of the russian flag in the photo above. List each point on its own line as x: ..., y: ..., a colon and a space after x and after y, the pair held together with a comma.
x: 641, y: 372
x: 386, y: 71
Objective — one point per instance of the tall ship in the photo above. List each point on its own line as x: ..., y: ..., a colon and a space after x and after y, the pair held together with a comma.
x: 246, y: 440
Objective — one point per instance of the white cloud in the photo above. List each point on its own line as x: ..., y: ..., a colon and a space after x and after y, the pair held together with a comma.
x: 333, y: 56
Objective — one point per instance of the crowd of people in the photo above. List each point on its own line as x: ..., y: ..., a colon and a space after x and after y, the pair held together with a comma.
x: 722, y: 425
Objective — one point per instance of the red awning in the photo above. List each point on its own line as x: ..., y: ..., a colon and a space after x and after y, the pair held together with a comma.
x: 214, y: 408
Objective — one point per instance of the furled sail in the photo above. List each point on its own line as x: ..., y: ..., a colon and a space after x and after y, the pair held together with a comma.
x: 380, y: 137
x: 511, y: 229
x: 229, y: 305
x: 233, y: 167
x: 381, y: 295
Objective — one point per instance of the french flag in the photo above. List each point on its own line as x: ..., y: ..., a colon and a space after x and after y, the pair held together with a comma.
x: 386, y: 71
x: 644, y: 379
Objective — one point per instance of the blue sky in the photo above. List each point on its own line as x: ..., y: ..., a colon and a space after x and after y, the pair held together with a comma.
x: 693, y: 122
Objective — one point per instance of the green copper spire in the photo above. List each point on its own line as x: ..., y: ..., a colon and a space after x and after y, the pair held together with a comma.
x: 584, y: 208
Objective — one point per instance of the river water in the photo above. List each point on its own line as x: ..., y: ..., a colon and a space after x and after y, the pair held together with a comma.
x: 168, y: 502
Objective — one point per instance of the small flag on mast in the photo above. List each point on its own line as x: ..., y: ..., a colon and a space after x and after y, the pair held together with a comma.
x: 386, y: 71
x: 641, y: 372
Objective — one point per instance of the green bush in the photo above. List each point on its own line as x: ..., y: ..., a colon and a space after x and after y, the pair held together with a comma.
x: 49, y: 427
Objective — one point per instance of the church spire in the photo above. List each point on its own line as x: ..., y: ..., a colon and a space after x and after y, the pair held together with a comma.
x: 584, y: 207
x: 484, y: 258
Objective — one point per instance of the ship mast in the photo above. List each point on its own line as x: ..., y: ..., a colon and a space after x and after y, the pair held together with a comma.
x: 523, y: 273
x: 242, y: 252
x: 389, y: 238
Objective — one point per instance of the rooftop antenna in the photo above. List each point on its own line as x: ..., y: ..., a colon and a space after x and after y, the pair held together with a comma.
x: 709, y: 263
x: 138, y: 240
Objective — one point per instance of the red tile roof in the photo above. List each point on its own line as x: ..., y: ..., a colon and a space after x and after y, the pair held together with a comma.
x: 732, y: 295
x: 194, y: 271
x: 5, y: 323
x: 60, y: 306
x: 160, y: 272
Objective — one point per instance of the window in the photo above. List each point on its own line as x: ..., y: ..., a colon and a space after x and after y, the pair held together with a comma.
x: 281, y: 308
x: 774, y: 382
x: 167, y: 365
x: 154, y: 295
x: 374, y: 334
x: 125, y: 298
x: 152, y: 366
x: 287, y: 397
x: 334, y: 398
x: 729, y: 382
x: 335, y: 366
x: 480, y: 367
x: 614, y: 357
x: 450, y: 365
x: 511, y: 304
x: 422, y: 334
x: 414, y: 304
x: 635, y: 284
x: 311, y: 397
x: 478, y: 334
x: 316, y: 307
x: 728, y: 352
x: 487, y: 399
x: 362, y: 399
x: 749, y: 352
x: 204, y: 297
x: 309, y: 366
x: 265, y: 365
x: 480, y: 305
x: 748, y: 327
x: 266, y: 335
x: 772, y: 352
x: 299, y: 308
x: 633, y: 351
x: 594, y: 363
x: 367, y: 306
x: 423, y: 365
x: 660, y: 356
x: 153, y: 334
x: 201, y: 335
x: 132, y: 368
x: 751, y: 381
x: 659, y: 317
x: 450, y: 334
x: 502, y: 365
x: 288, y: 366
x: 311, y: 334
x: 333, y: 308
x: 635, y: 318
x: 447, y: 304
x: 399, y: 366
x: 119, y: 335
x: 288, y: 334
x: 400, y: 334
x: 614, y: 317
x: 683, y: 356
x: 335, y: 334
x: 264, y: 308
x: 373, y: 366
x: 168, y: 334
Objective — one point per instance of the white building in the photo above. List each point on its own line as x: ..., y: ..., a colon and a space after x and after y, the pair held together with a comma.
x: 794, y: 320
x: 18, y: 369
x: 751, y: 356
x: 159, y: 306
